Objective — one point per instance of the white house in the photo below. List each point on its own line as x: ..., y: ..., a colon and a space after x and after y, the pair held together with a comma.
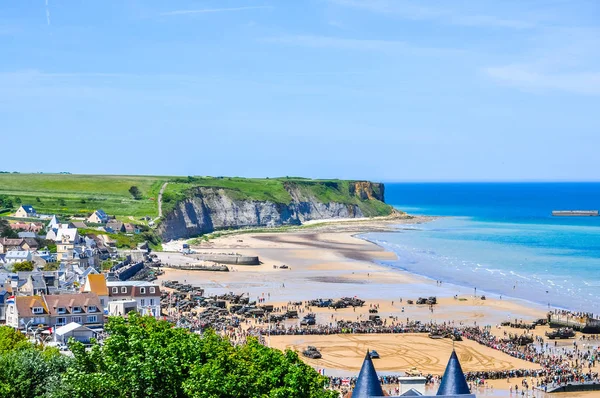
x: 73, y: 330
x: 18, y: 256
x: 146, y: 295
x: 53, y: 224
x: 98, y: 217
x: 66, y: 239
x: 26, y: 211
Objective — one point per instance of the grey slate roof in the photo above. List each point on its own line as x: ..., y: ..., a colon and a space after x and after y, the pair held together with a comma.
x: 37, y: 281
x: 453, y: 381
x: 411, y: 393
x: 367, y: 384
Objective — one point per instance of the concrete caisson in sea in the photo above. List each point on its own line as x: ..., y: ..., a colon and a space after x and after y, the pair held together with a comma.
x: 575, y: 213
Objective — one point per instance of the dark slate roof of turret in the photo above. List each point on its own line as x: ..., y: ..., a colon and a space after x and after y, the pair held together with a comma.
x: 453, y: 381
x: 367, y: 384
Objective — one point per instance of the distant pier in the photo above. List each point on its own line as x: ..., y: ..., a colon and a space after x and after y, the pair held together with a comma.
x: 575, y: 213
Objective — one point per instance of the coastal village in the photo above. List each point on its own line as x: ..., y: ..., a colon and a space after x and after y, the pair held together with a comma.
x: 57, y: 281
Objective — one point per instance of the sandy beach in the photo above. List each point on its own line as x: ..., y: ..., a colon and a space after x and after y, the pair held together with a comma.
x: 330, y: 261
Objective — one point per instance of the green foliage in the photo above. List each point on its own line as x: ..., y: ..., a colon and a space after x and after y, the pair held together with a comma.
x: 123, y: 241
x: 144, y: 357
x: 24, y: 266
x: 29, y: 372
x: 106, y: 265
x: 6, y: 231
x: 11, y: 339
x: 18, y: 200
x: 135, y: 192
x: 252, y: 370
x: 6, y: 202
x: 51, y: 266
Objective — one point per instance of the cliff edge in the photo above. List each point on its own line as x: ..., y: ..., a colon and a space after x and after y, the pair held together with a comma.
x: 200, y: 205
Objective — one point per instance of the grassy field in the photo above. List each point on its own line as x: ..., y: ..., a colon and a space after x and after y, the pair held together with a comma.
x: 71, y: 194
x: 81, y: 194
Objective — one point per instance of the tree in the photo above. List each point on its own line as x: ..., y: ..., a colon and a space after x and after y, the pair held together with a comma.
x: 144, y: 357
x: 26, y: 370
x: 51, y: 266
x: 61, y: 202
x: 6, y: 231
x: 5, y: 202
x: 25, y: 266
x: 135, y: 192
x: 11, y: 339
x: 107, y: 265
x: 31, y: 373
x: 37, y: 199
x: 18, y: 200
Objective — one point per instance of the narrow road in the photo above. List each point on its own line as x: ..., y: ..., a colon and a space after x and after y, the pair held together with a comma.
x: 160, y: 194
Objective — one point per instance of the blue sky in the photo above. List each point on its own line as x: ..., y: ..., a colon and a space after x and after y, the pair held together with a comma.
x: 388, y: 90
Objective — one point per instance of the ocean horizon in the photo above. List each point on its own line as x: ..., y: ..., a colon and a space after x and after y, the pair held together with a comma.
x: 502, y: 239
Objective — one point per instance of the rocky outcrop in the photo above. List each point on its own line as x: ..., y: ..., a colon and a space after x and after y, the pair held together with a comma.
x: 208, y: 209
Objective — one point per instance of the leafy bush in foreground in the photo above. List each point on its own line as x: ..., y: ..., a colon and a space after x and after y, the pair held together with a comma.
x: 143, y: 357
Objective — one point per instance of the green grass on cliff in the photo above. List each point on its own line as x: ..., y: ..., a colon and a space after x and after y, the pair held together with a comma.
x: 274, y: 190
x: 72, y: 194
x: 76, y: 194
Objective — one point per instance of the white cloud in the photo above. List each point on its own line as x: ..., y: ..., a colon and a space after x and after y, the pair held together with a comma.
x: 528, y: 77
x: 214, y: 10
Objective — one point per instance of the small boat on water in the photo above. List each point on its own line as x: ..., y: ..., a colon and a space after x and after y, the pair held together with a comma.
x: 575, y: 213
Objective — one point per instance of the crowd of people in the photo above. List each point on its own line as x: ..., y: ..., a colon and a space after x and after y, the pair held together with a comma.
x: 558, y: 365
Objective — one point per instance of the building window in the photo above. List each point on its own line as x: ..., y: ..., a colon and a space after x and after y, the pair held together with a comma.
x: 76, y: 310
x: 102, y: 302
x: 12, y: 309
x: 115, y: 290
x: 151, y: 301
x: 60, y: 321
x: 92, y: 308
x: 142, y: 290
x: 76, y: 319
x: 152, y: 290
x: 61, y: 310
x: 123, y: 289
x: 38, y: 310
x: 143, y: 302
x: 92, y: 319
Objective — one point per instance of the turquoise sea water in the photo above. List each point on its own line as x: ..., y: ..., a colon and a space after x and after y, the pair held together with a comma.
x: 501, y: 238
